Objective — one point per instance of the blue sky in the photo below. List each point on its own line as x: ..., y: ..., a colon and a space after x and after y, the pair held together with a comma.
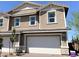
x: 73, y: 7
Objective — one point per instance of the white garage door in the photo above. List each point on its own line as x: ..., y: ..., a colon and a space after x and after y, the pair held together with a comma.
x: 44, y: 44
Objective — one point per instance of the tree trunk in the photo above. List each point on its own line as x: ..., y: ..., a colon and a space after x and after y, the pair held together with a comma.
x: 12, y: 44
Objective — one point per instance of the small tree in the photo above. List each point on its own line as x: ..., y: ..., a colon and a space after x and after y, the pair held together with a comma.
x: 74, y: 23
x: 13, y: 37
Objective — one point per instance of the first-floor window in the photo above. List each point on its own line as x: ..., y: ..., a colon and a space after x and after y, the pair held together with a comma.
x: 16, y: 21
x: 1, y: 22
x: 32, y: 20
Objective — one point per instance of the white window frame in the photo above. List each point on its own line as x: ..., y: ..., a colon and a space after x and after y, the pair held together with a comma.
x: 48, y: 17
x: 30, y: 21
x: 15, y: 21
x: 3, y: 22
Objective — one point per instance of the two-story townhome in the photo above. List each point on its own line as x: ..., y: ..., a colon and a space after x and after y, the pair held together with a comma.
x: 39, y: 28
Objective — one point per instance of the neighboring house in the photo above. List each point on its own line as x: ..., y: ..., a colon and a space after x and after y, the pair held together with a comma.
x: 39, y: 28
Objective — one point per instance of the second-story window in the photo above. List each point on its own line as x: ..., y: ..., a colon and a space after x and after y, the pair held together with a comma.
x: 1, y: 22
x: 32, y: 20
x: 17, y: 22
x: 51, y: 17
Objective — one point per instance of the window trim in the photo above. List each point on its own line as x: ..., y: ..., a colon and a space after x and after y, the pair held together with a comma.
x: 15, y: 21
x: 3, y: 22
x: 48, y: 18
x: 30, y: 20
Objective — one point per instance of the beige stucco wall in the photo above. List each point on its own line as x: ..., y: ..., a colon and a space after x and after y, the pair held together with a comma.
x: 5, y: 26
x: 60, y: 24
x: 64, y: 41
x: 24, y: 23
x: 42, y: 18
x: 64, y: 44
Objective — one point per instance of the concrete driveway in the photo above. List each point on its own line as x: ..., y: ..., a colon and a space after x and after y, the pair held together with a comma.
x: 42, y: 55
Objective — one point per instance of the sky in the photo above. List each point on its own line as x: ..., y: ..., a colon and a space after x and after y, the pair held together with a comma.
x: 6, y: 6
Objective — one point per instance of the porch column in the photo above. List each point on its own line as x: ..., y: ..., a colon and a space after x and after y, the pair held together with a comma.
x: 64, y: 44
x: 17, y: 42
x: 21, y: 42
x: 25, y: 43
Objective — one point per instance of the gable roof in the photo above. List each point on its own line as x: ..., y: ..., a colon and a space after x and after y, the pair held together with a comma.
x: 57, y: 4
x: 25, y: 2
x: 41, y: 6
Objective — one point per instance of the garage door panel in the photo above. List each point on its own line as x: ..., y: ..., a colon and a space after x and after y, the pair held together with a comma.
x: 44, y: 44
